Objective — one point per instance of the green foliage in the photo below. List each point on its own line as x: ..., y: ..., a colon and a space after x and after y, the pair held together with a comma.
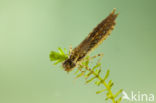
x: 59, y: 56
x: 90, y: 74
x: 98, y: 92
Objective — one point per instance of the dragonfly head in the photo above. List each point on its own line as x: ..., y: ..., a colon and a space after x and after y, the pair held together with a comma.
x: 68, y: 65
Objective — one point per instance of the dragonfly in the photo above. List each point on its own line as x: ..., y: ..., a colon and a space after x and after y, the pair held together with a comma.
x: 94, y: 39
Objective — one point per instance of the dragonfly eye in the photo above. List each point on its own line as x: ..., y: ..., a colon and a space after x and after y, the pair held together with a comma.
x: 68, y: 65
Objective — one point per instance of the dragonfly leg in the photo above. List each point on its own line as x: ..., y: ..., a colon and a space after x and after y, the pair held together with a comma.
x: 95, y: 56
x: 70, y: 49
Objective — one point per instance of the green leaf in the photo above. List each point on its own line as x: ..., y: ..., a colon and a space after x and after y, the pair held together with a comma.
x: 60, y: 51
x: 58, y: 56
x: 90, y: 79
x: 96, y: 66
x: 110, y: 83
x: 98, y: 71
x: 119, y: 100
x: 58, y: 61
x: 86, y: 61
x: 54, y: 56
x: 88, y: 74
x: 81, y: 74
x: 98, y: 92
x: 98, y: 83
x: 109, y: 96
x: 106, y: 76
x: 76, y: 71
x: 118, y: 93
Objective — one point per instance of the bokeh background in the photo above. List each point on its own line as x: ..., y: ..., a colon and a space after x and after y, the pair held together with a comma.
x: 30, y: 29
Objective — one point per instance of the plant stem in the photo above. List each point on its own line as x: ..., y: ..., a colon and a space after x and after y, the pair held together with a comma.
x: 104, y: 83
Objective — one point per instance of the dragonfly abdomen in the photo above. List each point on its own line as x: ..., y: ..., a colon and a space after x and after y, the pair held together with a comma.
x: 95, y: 38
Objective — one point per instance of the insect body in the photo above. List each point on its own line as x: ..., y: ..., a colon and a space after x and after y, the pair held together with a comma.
x: 96, y: 37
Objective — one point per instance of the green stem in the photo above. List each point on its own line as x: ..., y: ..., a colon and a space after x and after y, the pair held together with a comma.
x: 104, y: 83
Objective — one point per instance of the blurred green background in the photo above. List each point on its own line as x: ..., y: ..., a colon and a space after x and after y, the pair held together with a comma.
x: 30, y: 29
